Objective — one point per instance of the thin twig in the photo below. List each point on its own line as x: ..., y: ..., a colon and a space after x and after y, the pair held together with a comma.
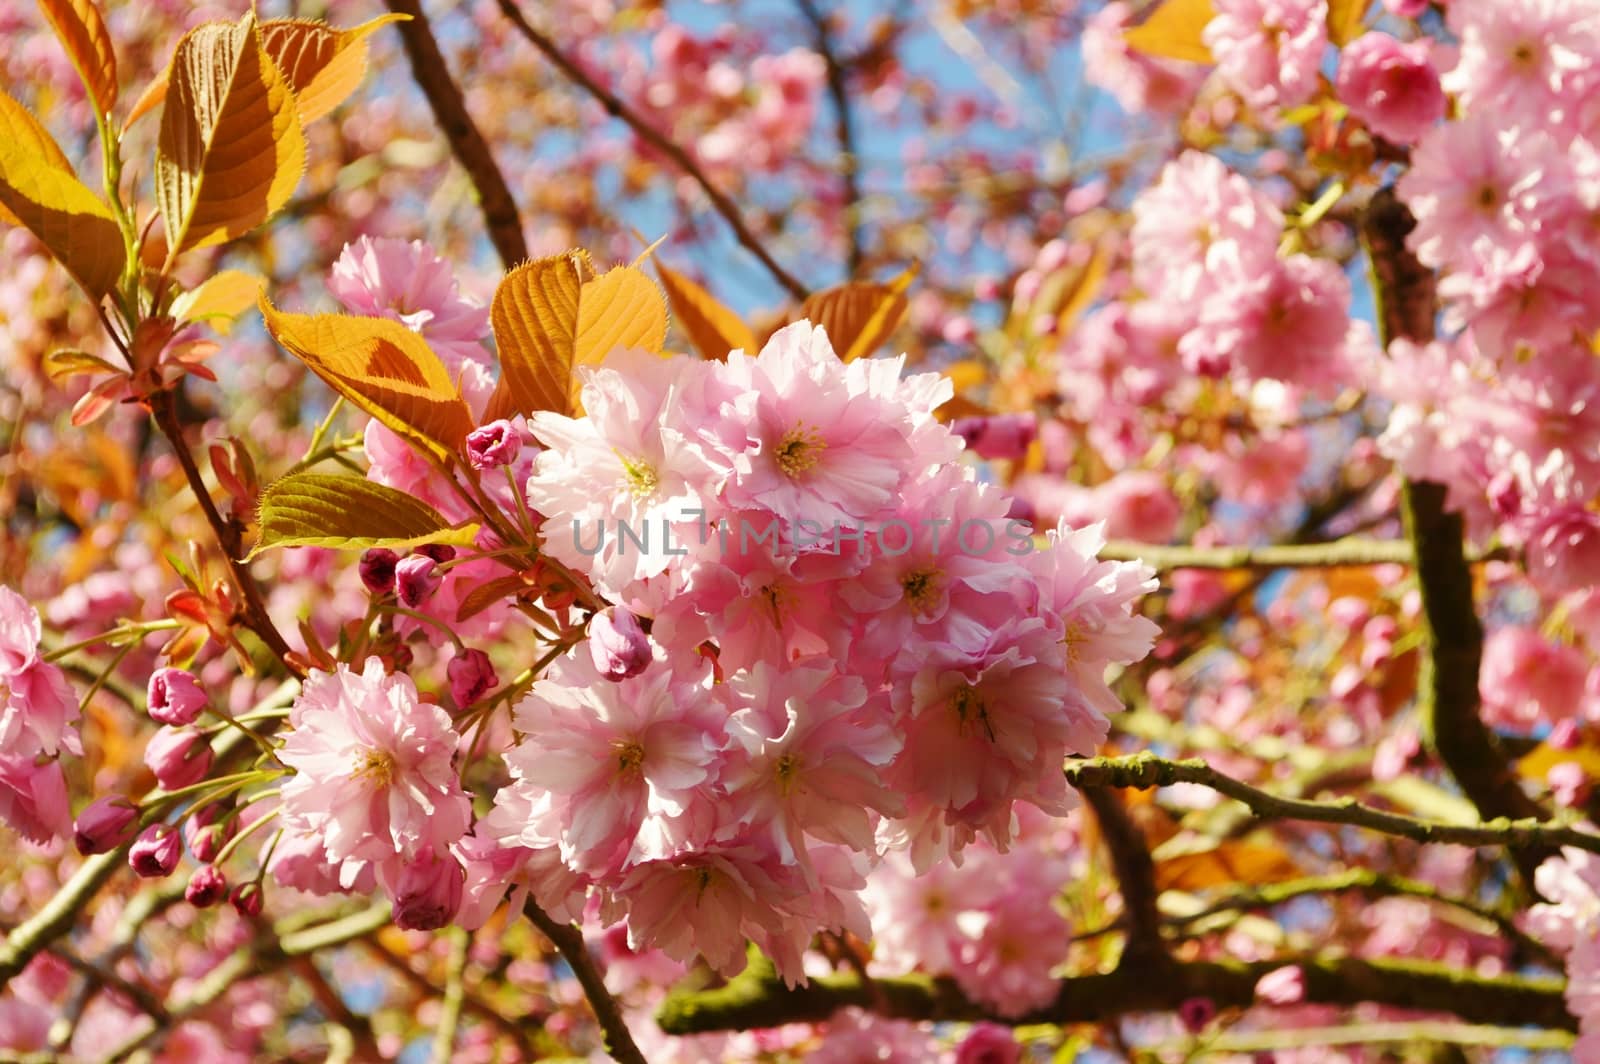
x: 569, y: 940
x: 253, y: 611
x: 1143, y: 771
x: 432, y: 75
x: 615, y: 107
x: 844, y: 131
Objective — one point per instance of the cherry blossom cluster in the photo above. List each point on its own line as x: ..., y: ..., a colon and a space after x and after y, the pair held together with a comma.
x: 802, y: 705
x: 813, y: 636
x: 1505, y: 408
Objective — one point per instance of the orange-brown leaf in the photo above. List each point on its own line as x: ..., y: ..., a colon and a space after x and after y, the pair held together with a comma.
x: 83, y: 33
x: 712, y: 328
x: 231, y: 149
x: 38, y: 190
x: 1226, y: 864
x: 552, y: 316
x: 1173, y: 31
x: 383, y: 368
x: 324, y: 64
x: 859, y: 316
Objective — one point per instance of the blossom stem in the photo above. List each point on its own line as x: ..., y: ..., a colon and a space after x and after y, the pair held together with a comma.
x: 111, y: 635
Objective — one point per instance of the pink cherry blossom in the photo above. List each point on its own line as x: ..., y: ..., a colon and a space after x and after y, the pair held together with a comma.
x: 374, y: 779
x: 1391, y: 86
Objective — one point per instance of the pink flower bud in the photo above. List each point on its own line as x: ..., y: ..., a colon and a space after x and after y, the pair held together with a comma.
x: 1196, y: 1013
x: 1406, y: 8
x: 178, y: 756
x: 206, y: 887
x: 248, y: 899
x: 377, y: 569
x: 494, y: 445
x: 439, y: 552
x: 999, y: 436
x: 416, y: 579
x: 155, y: 853
x: 617, y: 644
x: 427, y: 893
x: 175, y: 697
x: 1391, y: 86
x: 105, y: 824
x: 959, y: 330
x: 207, y: 832
x: 988, y: 1043
x: 471, y: 677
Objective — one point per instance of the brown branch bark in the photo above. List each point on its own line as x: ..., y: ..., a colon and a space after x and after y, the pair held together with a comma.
x: 844, y: 132
x: 1136, y: 877
x: 253, y: 607
x: 615, y: 107
x: 432, y: 75
x: 1452, y: 634
x: 569, y: 940
x: 757, y: 998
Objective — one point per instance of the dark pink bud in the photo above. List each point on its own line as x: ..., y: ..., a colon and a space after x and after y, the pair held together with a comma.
x: 439, y: 552
x: 494, y: 445
x: 617, y: 644
x: 416, y: 579
x: 1196, y: 1014
x: 248, y: 899
x: 175, y: 697
x: 377, y: 569
x: 155, y: 853
x: 178, y: 756
x: 207, y: 832
x: 427, y: 894
x: 206, y: 887
x: 105, y: 824
x: 999, y: 436
x: 471, y: 677
x: 989, y: 1043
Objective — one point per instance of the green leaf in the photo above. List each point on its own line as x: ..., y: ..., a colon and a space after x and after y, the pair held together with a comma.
x: 349, y: 513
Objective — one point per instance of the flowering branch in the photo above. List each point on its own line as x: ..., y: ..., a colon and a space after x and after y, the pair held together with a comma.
x: 569, y: 940
x: 615, y: 107
x: 1143, y: 771
x: 1452, y: 634
x: 432, y: 75
x: 757, y: 998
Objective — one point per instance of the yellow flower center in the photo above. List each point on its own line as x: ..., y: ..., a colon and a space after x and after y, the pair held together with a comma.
x: 921, y: 587
x: 971, y: 710
x: 798, y: 450
x: 788, y: 772
x: 643, y: 480
x: 376, y: 767
x: 629, y: 755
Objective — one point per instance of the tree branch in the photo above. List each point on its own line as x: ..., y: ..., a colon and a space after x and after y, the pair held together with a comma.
x: 1353, y: 551
x: 757, y: 998
x: 1143, y: 771
x: 1452, y: 634
x: 1136, y: 877
x: 569, y: 940
x: 432, y: 75
x: 844, y: 131
x: 615, y: 107
x: 253, y: 608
